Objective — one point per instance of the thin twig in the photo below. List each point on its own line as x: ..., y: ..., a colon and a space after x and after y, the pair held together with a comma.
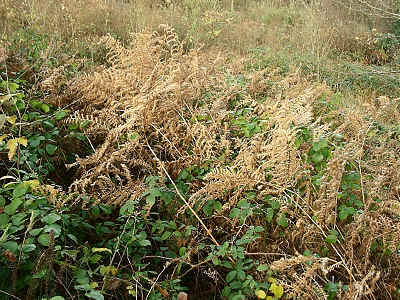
x: 15, y: 297
x: 183, y: 199
x: 155, y: 281
x: 63, y: 285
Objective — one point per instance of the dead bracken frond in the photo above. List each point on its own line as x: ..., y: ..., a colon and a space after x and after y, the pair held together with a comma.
x: 333, y: 178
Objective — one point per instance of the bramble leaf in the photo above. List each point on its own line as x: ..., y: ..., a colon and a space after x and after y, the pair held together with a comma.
x: 260, y: 294
x: 13, y: 144
x: 277, y: 290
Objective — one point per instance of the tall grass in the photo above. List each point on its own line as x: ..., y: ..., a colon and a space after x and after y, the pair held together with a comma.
x: 320, y: 36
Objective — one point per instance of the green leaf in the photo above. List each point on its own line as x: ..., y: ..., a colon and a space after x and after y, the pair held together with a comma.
x: 48, y: 123
x: 40, y: 274
x: 144, y: 243
x: 259, y: 229
x: 18, y: 219
x: 11, y: 208
x: 316, y: 147
x: 20, y: 190
x: 4, y: 219
x: 283, y: 221
x: 51, y: 218
x: 81, y: 276
x: 243, y: 203
x: 127, y: 209
x: 29, y: 248
x: 331, y: 287
x: 235, y: 212
x: 307, y: 252
x: 344, y: 212
x: 208, y: 208
x: 270, y: 214
x: 93, y: 294
x: 226, y: 291
x: 320, y: 145
x: 166, y: 235
x: 83, y: 287
x: 60, y: 114
x: 45, y: 108
x: 262, y: 268
x: 51, y: 149
x: 13, y: 87
x: 241, y: 275
x: 11, y: 246
x: 276, y: 205
x: 53, y: 227
x: 227, y: 265
x: 34, y: 141
x: 108, y: 270
x: 85, y: 123
x: 182, y: 251
x: 44, y: 239
x: 151, y: 197
x: 95, y: 258
x: 217, y: 206
x: 73, y: 237
x: 331, y: 238
x: 35, y: 232
x: 236, y: 285
x: 216, y: 261
x: 57, y: 298
x: 317, y: 157
x: 183, y: 175
x: 231, y: 275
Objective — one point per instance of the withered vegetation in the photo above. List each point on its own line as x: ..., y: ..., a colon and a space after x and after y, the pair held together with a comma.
x: 281, y: 168
x: 153, y: 96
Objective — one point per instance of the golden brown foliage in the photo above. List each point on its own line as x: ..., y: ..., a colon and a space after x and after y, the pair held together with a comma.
x: 154, y: 95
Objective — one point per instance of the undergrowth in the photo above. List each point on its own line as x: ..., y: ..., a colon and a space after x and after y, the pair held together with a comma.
x: 168, y: 169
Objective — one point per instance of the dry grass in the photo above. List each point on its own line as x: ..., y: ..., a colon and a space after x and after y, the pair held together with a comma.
x: 319, y: 27
x: 162, y: 92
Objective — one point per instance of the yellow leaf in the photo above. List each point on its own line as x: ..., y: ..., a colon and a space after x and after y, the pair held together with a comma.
x: 3, y: 137
x: 277, y: 290
x: 272, y: 280
x: 12, y: 148
x: 217, y: 32
x: 101, y: 250
x: 2, y: 120
x: 94, y: 285
x: 105, y: 270
x: 261, y: 294
x: 270, y: 298
x: 11, y: 119
x: 13, y: 144
x: 33, y: 183
x: 5, y: 98
x: 114, y: 270
x: 22, y: 141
